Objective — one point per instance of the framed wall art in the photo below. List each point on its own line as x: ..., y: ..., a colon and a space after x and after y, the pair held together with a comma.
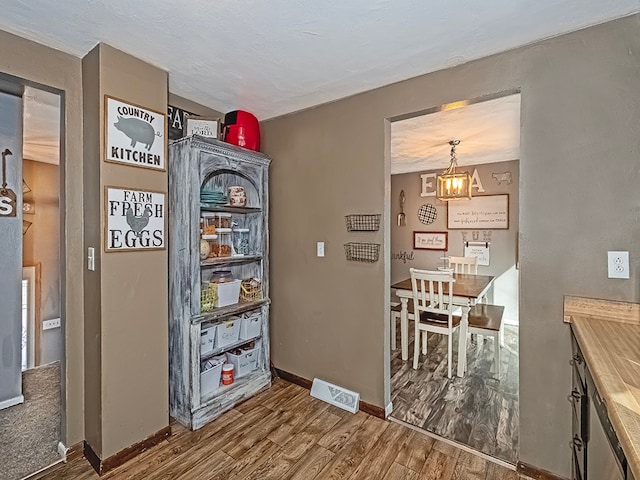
x: 134, y: 135
x: 430, y: 240
x: 134, y: 219
x: 487, y: 212
x: 205, y: 127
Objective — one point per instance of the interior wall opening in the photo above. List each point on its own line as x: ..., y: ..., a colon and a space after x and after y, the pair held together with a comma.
x: 31, y: 429
x: 478, y: 406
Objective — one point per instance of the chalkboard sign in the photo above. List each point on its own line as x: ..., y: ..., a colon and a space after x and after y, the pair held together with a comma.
x: 488, y: 212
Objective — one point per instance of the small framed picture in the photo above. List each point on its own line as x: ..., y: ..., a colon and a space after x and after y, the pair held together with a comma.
x: 205, y: 127
x: 430, y: 240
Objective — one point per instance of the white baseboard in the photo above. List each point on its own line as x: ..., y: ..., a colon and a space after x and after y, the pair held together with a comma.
x: 388, y: 409
x: 11, y: 402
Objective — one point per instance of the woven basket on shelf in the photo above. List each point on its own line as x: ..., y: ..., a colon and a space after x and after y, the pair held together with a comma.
x: 209, y: 298
x: 250, y: 290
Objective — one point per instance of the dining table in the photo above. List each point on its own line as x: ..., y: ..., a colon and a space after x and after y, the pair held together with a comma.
x: 468, y: 290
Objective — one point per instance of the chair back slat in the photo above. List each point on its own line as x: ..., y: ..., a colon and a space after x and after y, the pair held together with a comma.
x: 468, y: 265
x: 432, y: 292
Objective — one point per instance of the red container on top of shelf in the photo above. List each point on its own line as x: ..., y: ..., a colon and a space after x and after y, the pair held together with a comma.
x: 241, y: 128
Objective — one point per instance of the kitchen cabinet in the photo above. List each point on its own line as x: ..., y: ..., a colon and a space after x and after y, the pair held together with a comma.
x: 580, y: 412
x: 596, y: 451
x: 218, y: 290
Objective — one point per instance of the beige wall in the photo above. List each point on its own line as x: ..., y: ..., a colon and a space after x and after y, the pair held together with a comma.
x: 47, y: 67
x: 503, y: 242
x: 131, y: 323
x: 193, y: 107
x: 579, y: 173
x: 41, y: 244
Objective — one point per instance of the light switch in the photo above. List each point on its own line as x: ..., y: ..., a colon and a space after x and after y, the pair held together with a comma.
x: 91, y: 259
x: 320, y: 249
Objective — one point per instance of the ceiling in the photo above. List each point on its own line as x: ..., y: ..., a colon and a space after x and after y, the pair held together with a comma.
x: 41, y: 126
x: 488, y: 131
x: 276, y: 57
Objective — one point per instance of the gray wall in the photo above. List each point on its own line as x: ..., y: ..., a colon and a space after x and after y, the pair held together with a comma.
x: 579, y: 197
x: 11, y: 248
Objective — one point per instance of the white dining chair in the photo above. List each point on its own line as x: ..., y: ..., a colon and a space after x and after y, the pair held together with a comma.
x: 467, y: 265
x: 396, y: 310
x: 486, y: 320
x: 434, y: 310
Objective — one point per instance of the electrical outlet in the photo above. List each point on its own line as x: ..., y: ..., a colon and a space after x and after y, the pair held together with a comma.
x: 618, y: 264
x: 320, y: 249
x: 49, y: 324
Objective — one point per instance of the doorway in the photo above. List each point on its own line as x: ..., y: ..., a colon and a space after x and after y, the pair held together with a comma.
x: 479, y: 411
x: 30, y: 429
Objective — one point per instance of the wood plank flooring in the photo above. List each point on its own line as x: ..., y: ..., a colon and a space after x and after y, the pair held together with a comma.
x: 285, y: 434
x: 479, y: 410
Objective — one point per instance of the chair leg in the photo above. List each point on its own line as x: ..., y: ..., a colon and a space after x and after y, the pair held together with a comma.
x: 449, y: 353
x: 394, y: 317
x: 424, y: 343
x: 496, y: 353
x: 416, y: 345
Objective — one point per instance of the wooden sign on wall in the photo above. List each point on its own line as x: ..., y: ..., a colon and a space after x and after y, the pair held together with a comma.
x: 134, y: 220
x: 488, y: 212
x: 134, y: 135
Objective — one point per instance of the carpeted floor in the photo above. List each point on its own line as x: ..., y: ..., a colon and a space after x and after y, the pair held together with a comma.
x: 29, y: 432
x: 479, y: 410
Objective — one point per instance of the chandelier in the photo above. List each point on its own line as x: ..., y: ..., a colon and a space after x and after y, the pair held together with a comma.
x: 451, y: 184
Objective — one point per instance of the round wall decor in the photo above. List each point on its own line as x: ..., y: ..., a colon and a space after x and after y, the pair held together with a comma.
x: 427, y: 213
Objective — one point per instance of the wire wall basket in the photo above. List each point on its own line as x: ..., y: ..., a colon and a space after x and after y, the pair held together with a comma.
x: 362, y: 252
x: 363, y: 222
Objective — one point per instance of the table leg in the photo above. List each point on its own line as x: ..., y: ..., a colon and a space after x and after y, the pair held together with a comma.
x: 404, y: 328
x: 462, y: 342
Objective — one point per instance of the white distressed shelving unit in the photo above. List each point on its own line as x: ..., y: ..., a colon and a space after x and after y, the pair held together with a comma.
x: 195, y: 162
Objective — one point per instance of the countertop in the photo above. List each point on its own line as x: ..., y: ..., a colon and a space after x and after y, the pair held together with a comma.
x: 609, y: 336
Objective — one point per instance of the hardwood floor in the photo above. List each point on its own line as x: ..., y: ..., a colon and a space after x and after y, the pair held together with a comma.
x: 479, y: 410
x: 284, y: 433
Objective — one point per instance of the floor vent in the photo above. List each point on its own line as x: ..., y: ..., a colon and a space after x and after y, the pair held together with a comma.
x: 335, y: 395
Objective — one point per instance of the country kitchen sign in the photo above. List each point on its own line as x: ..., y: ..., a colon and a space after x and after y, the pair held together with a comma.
x: 135, y: 220
x: 134, y: 135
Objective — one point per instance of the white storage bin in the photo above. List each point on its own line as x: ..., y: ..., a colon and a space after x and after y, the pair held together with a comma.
x: 228, y: 332
x: 228, y: 293
x: 250, y: 326
x: 210, y: 379
x: 244, y: 363
x: 207, y: 339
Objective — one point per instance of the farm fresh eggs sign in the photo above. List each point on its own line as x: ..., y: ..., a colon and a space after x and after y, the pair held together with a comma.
x: 135, y: 220
x: 134, y: 135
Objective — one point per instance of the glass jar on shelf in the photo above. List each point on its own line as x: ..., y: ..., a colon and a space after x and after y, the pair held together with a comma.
x: 220, y: 244
x: 221, y: 276
x: 212, y: 221
x: 241, y: 241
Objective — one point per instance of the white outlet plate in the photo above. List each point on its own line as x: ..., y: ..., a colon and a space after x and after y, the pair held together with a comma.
x: 320, y: 249
x: 618, y: 264
x: 49, y: 324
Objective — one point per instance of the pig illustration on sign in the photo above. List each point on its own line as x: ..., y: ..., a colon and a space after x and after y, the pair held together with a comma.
x: 137, y: 130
